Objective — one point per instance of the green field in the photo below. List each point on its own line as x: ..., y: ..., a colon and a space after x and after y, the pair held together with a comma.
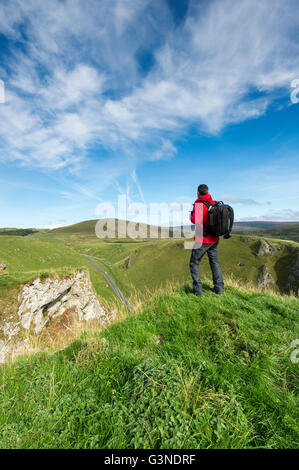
x: 182, y: 372
x: 153, y: 264
x: 284, y: 232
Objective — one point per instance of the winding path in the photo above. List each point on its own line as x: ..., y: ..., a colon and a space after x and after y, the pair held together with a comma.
x: 112, y: 284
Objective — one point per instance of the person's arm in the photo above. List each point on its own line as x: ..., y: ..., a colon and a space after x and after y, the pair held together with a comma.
x: 192, y: 215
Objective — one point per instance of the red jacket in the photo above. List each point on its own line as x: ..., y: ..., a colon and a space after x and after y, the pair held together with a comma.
x: 205, y: 216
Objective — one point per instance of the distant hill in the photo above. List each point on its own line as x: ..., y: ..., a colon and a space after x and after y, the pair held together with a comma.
x: 283, y: 230
x: 287, y: 232
x: 20, y: 232
x: 87, y: 227
x: 261, y: 224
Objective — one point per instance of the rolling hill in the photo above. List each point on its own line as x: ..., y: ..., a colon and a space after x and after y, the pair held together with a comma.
x: 88, y: 227
x: 284, y: 231
x: 262, y: 224
x: 287, y: 232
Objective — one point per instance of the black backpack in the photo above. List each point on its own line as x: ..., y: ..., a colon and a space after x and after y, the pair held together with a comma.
x: 221, y: 219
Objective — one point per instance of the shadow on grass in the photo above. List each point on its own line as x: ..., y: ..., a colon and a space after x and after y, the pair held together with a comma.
x: 70, y: 352
x: 187, y: 288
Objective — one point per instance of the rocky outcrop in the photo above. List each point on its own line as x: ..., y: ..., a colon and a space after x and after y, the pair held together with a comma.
x: 42, y: 301
x: 3, y: 268
x: 265, y: 279
x: 265, y: 248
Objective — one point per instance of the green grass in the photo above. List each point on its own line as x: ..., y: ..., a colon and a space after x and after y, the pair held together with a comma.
x: 154, y: 263
x: 284, y: 232
x: 183, y: 372
x: 22, y: 254
x: 18, y: 232
x: 289, y: 232
x: 27, y: 258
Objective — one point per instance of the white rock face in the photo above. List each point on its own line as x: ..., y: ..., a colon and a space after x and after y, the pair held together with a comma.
x: 266, y: 248
x: 42, y: 300
x: 265, y: 279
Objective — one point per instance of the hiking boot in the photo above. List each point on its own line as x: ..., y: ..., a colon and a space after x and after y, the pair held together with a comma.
x: 198, y: 294
x: 217, y: 291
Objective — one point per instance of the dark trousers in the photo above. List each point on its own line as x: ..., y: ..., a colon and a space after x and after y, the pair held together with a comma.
x: 197, y: 253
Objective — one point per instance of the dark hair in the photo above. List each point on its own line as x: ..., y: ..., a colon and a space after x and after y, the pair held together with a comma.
x: 203, y: 189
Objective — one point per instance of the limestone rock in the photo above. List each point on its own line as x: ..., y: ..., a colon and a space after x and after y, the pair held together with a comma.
x: 42, y: 300
x: 265, y: 279
x: 265, y: 248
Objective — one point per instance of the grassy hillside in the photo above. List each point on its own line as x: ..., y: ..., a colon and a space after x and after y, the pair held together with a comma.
x: 87, y: 229
x: 137, y: 267
x: 182, y: 373
x: 285, y: 232
x: 289, y: 232
x: 261, y: 225
x: 27, y: 258
x: 145, y: 266
x: 22, y: 232
x: 26, y: 254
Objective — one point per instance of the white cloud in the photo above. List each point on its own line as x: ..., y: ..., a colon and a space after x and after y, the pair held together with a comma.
x: 282, y: 215
x: 76, y: 81
x: 238, y: 200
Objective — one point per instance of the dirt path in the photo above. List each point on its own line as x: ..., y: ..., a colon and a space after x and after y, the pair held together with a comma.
x: 112, y: 284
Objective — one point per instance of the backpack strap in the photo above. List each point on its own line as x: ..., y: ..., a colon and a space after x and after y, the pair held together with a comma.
x: 206, y: 203
x: 206, y: 229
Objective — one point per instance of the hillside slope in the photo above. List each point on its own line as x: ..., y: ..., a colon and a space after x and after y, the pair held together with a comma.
x: 287, y: 231
x: 139, y: 266
x: 87, y: 228
x: 182, y: 373
x: 145, y: 266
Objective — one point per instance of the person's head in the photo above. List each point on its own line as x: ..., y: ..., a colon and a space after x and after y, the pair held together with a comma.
x: 202, y: 190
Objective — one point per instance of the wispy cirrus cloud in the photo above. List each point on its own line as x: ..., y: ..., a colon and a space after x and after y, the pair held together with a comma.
x: 285, y: 215
x: 238, y: 200
x: 77, y: 82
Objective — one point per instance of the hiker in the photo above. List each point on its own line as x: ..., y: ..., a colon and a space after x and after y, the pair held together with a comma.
x: 208, y: 245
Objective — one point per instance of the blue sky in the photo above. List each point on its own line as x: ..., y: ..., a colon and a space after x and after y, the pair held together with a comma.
x: 147, y: 99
